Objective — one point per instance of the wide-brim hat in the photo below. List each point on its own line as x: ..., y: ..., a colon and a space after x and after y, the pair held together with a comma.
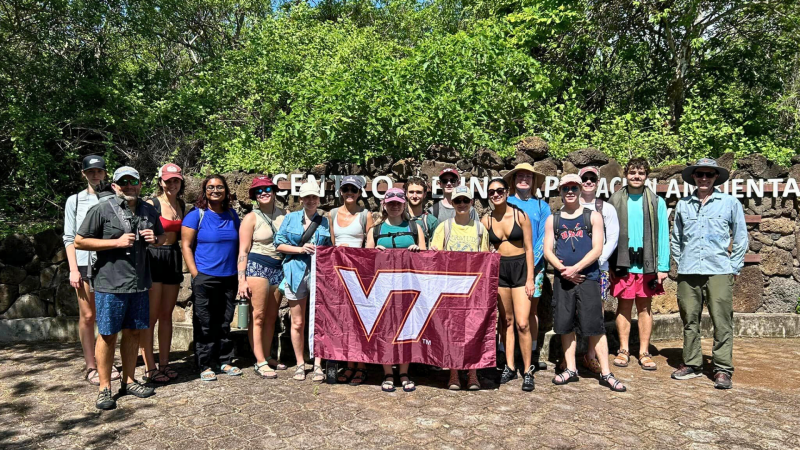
x: 709, y: 164
x: 538, y: 178
x: 260, y: 182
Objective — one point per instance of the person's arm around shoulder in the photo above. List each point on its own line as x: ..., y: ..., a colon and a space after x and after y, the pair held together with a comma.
x: 527, y: 241
x: 739, y: 236
x: 189, y: 230
x: 245, y: 244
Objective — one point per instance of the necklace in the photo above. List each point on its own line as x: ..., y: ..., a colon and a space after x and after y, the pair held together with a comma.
x: 175, y: 215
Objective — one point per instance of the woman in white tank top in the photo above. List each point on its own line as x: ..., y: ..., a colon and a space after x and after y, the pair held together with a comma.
x: 349, y: 225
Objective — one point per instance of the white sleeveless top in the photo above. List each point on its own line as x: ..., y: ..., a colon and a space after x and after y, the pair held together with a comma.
x: 352, y: 235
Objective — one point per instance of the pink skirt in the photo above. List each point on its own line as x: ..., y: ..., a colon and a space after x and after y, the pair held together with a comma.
x: 635, y: 285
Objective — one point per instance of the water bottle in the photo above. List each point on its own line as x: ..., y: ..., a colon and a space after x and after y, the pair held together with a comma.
x: 244, y: 313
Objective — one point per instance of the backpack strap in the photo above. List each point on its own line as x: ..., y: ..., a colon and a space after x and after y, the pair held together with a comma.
x: 412, y: 231
x: 448, y: 225
x: 436, y: 208
x: 598, y: 205
x: 201, y: 212
x: 266, y: 219
x: 363, y: 219
x: 556, y: 226
x: 412, y: 227
x: 157, y: 204
x: 587, y: 221
x: 312, y: 228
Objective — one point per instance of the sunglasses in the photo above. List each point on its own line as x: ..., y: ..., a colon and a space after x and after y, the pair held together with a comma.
x: 592, y: 179
x: 215, y: 188
x: 395, y: 194
x: 461, y: 201
x: 349, y: 189
x: 705, y: 174
x: 264, y: 190
x: 568, y: 189
x: 498, y: 191
x: 449, y: 180
x: 127, y: 182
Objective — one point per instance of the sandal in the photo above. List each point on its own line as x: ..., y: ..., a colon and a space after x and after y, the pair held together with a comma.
x: 346, y: 376
x: 592, y: 365
x: 408, y: 385
x: 473, y: 384
x: 646, y: 361
x: 169, y: 371
x: 454, y: 384
x: 155, y: 376
x: 277, y: 365
x: 622, y: 358
x: 612, y: 382
x: 115, y: 375
x: 359, y: 377
x: 267, y: 373
x: 92, y: 376
x: 299, y: 372
x: 232, y: 371
x: 319, y: 375
x: 208, y: 375
x: 388, y: 383
x: 565, y: 377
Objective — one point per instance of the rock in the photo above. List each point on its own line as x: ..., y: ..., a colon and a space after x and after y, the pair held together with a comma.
x: 775, y: 261
x: 568, y: 168
x: 611, y: 170
x: 339, y: 168
x: 47, y: 277
x: 66, y: 300
x: 520, y: 157
x: 464, y: 165
x: 403, y: 169
x: 8, y: 293
x: 781, y: 295
x: 12, y: 275
x: 192, y: 189
x: 787, y: 242
x: 555, y: 203
x: 533, y: 146
x: 726, y: 160
x: 587, y: 157
x: 319, y: 171
x: 47, y: 243
x: 33, y: 267
x: 442, y: 153
x: 16, y: 249
x: 546, y: 167
x: 26, y: 307
x: 61, y: 255
x: 431, y: 169
x: 755, y: 246
x: 482, y: 171
x: 796, y: 159
x: 29, y: 284
x: 489, y: 159
x: 758, y: 166
x: 668, y: 302
x: 778, y: 225
x: 748, y: 290
x: 242, y: 192
x: 671, y: 172
x: 794, y: 172
x: 179, y: 315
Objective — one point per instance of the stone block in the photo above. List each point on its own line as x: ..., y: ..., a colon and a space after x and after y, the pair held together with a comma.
x: 66, y: 300
x: 611, y: 170
x: 16, y: 249
x: 379, y: 165
x: 431, y: 169
x: 755, y: 246
x: 787, y: 242
x: 568, y: 168
x: 403, y: 169
x: 546, y: 167
x: 536, y: 147
x: 12, y: 275
x: 192, y: 189
x: 758, y: 166
x: 489, y: 159
x: 26, y: 307
x: 748, y: 290
x: 33, y: 266
x: 242, y: 192
x: 464, y: 165
x: 442, y: 153
x: 29, y: 284
x: 781, y: 295
x: 178, y: 314
x: 780, y: 225
x: 587, y: 157
x: 47, y: 242
x: 668, y: 302
x: 47, y: 277
x: 726, y: 160
x: 8, y: 294
x: 671, y: 172
x: 482, y: 171
x: 520, y: 157
x: 775, y: 261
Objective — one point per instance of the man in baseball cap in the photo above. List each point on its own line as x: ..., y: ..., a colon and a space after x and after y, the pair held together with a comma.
x: 443, y: 209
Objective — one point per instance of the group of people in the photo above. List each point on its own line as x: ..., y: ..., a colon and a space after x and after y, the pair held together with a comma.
x: 126, y: 259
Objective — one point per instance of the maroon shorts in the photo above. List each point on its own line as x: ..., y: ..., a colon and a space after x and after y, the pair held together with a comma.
x: 635, y: 285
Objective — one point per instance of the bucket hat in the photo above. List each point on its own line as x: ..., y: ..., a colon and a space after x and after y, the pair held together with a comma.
x: 709, y: 164
x: 538, y: 178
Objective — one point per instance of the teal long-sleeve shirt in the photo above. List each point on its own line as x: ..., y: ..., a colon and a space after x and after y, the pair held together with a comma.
x: 636, y: 231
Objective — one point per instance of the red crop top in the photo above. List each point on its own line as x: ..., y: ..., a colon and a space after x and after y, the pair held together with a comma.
x: 173, y: 226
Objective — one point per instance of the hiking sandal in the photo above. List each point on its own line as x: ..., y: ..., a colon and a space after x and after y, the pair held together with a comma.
x: 565, y: 377
x: 169, y: 371
x: 277, y: 365
x: 92, y: 376
x: 155, y: 376
x: 115, y: 375
x: 319, y: 375
x: 208, y: 375
x: 622, y: 358
x: 136, y: 389
x: 646, y: 361
x: 359, y: 377
x: 408, y: 385
x: 612, y: 382
x: 231, y: 370
x: 346, y: 376
x: 263, y: 370
x: 299, y: 372
x: 388, y: 383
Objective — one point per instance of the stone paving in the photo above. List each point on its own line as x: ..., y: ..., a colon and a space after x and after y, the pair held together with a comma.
x: 43, y: 406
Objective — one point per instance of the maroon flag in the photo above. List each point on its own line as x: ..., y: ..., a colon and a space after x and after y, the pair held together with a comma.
x: 395, y: 306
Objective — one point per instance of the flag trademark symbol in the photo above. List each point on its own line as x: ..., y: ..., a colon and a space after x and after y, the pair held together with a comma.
x: 426, y: 341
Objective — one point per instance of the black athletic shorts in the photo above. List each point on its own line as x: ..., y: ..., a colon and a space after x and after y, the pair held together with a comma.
x: 513, y: 271
x: 166, y: 264
x: 578, y: 307
x: 84, y: 270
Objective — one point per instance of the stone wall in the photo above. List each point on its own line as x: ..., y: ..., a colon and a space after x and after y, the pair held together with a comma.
x: 34, y: 273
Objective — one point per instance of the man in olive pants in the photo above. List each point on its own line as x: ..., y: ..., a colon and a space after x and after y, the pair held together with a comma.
x: 706, y: 224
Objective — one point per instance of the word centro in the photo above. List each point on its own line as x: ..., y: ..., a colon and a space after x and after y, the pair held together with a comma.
x: 739, y: 188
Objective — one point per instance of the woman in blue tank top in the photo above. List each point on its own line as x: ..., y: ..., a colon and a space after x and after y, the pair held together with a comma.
x: 394, y: 231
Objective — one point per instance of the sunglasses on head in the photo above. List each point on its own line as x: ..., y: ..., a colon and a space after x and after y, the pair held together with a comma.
x: 498, y: 191
x: 348, y: 189
x: 395, y: 194
x: 589, y: 178
x: 461, y: 201
x: 449, y: 180
x: 264, y: 190
x: 705, y: 174
x: 568, y: 189
x: 126, y: 182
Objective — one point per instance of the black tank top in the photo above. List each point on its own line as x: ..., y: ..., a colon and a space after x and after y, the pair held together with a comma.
x: 515, y: 235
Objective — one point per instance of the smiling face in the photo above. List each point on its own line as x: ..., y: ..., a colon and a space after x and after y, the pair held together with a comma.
x: 636, y: 177
x: 394, y: 209
x: 171, y: 186
x: 128, y: 187
x: 94, y: 176
x: 589, y: 182
x: 462, y: 205
x: 265, y: 195
x: 310, y: 203
x: 448, y: 182
x: 415, y: 194
x: 704, y: 179
x: 523, y: 180
x: 215, y: 190
x: 497, y: 192
x: 570, y: 193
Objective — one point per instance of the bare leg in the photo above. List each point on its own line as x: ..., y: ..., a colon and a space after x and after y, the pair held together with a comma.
x: 533, y: 318
x: 624, y: 322
x: 600, y: 345
x: 147, y: 335
x: 297, y: 309
x: 568, y: 342
x: 169, y: 296
x: 260, y: 289
x: 505, y: 309
x: 271, y: 307
x: 104, y: 351
x: 129, y: 349
x: 522, y: 311
x: 645, y: 322
x: 86, y: 322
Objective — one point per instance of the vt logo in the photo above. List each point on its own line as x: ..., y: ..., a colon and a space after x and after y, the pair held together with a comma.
x: 428, y: 289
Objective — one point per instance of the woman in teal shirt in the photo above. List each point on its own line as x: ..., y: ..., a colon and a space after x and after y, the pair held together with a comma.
x: 394, y: 230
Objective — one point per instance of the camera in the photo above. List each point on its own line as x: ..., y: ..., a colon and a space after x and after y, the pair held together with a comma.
x: 653, y: 284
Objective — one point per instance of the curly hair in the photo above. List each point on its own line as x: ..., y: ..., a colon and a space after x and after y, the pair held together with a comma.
x: 202, y: 202
x: 416, y: 180
x: 638, y: 163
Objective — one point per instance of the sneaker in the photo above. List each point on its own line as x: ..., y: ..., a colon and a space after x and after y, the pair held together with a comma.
x: 527, y: 380
x: 137, y: 389
x: 685, y: 372
x: 722, y: 380
x: 508, y: 375
x: 105, y: 400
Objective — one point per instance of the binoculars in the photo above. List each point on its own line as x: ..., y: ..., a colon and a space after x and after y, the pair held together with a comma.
x: 637, y: 256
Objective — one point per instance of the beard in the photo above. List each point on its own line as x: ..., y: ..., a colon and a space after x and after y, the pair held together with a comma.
x: 127, y: 198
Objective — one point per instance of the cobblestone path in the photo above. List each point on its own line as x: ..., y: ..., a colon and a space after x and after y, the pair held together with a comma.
x: 43, y: 406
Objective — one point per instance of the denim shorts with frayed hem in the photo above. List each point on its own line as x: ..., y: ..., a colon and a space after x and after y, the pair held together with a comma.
x: 117, y: 312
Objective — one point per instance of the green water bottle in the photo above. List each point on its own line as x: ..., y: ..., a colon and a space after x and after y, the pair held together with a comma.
x: 244, y: 313
x: 797, y: 306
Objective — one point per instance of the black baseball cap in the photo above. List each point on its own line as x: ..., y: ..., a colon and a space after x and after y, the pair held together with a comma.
x: 94, y: 162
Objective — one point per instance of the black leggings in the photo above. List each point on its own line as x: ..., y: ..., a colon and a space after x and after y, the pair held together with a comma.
x: 214, y: 305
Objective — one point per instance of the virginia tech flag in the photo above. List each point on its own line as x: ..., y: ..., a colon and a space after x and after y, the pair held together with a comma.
x: 395, y: 306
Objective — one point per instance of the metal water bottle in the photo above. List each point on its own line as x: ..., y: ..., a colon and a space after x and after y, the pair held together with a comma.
x: 244, y: 313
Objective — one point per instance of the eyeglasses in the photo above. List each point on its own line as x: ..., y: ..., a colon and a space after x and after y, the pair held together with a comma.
x: 448, y: 180
x: 705, y: 174
x: 395, y: 194
x: 461, y: 201
x: 498, y: 191
x: 218, y: 188
x: 568, y: 189
x: 132, y: 182
x: 259, y: 191
x: 592, y: 179
x: 349, y: 189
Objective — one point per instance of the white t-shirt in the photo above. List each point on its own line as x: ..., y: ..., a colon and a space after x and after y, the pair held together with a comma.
x: 611, y: 223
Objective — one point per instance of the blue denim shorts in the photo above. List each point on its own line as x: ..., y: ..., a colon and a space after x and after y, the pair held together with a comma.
x: 116, y: 312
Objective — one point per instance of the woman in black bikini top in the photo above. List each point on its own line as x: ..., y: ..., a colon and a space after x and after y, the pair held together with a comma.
x: 515, y: 284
